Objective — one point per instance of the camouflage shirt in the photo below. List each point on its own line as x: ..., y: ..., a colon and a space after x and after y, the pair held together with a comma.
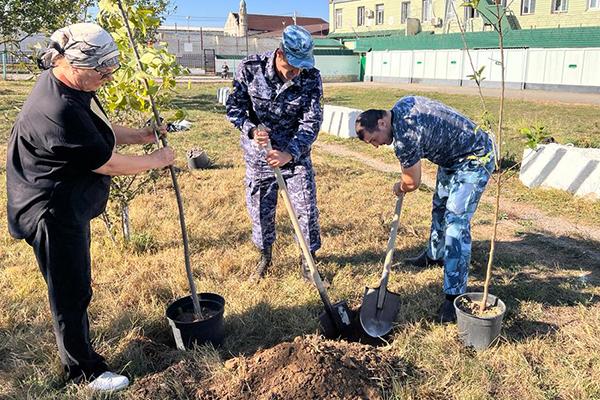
x: 292, y: 110
x: 425, y: 128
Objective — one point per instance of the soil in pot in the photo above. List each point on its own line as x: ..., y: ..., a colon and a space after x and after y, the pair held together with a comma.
x: 473, y: 308
x: 189, y: 316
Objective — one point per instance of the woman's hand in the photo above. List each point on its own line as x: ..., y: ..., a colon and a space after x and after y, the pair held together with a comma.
x: 163, y: 157
x: 147, y: 133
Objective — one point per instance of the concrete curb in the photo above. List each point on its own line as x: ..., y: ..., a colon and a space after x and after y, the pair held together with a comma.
x: 573, y: 169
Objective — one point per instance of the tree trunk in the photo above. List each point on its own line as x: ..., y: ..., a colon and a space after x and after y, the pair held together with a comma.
x: 125, y: 221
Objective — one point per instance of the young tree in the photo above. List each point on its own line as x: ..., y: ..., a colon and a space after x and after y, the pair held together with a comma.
x: 495, y: 16
x: 126, y: 97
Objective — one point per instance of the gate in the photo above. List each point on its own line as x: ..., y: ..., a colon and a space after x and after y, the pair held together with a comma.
x: 209, y: 61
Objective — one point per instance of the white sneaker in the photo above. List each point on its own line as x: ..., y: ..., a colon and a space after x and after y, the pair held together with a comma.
x: 109, y: 382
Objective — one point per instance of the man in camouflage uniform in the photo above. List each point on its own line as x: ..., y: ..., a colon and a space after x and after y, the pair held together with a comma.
x: 276, y: 96
x: 418, y: 128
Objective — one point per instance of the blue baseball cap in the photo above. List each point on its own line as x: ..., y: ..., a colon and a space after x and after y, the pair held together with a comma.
x: 298, y: 47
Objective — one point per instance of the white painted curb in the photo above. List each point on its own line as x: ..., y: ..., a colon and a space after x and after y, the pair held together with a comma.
x: 339, y: 121
x: 574, y: 169
x: 223, y: 94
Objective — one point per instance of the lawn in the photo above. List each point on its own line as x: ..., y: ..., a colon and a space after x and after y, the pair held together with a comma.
x: 549, y: 348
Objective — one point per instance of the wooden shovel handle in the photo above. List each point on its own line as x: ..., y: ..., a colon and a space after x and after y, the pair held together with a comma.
x: 303, y: 245
x: 389, y: 255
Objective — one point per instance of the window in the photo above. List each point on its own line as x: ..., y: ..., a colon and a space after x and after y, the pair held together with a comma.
x: 338, y: 19
x: 528, y: 7
x: 594, y: 4
x: 471, y: 13
x: 379, y: 14
x: 559, y: 6
x: 360, y: 16
x: 449, y: 10
x: 426, y: 10
x: 404, y: 11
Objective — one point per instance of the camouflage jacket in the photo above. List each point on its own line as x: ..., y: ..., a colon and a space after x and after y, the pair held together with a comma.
x: 425, y: 128
x: 292, y: 110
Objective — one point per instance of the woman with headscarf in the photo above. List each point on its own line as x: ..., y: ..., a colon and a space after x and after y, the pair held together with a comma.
x: 61, y: 155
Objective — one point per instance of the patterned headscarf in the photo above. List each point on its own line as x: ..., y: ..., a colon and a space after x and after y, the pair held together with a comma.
x: 84, y: 45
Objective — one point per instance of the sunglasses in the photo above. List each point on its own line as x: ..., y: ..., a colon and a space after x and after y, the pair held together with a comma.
x: 105, y: 74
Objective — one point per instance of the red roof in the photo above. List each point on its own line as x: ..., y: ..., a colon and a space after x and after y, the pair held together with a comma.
x: 269, y: 23
x: 314, y: 30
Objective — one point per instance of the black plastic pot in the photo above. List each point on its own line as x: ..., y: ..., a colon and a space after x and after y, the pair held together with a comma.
x: 197, y: 332
x: 479, y: 332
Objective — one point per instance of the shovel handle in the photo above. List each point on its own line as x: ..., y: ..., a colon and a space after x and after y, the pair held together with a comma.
x: 303, y: 245
x: 389, y: 255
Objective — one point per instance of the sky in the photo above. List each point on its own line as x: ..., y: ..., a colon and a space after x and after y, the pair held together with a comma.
x: 213, y: 13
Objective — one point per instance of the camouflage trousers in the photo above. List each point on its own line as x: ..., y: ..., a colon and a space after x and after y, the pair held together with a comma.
x: 457, y: 194
x: 261, y: 201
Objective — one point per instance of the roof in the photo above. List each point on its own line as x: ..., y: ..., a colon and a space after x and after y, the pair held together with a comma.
x: 328, y: 43
x: 314, y: 30
x: 269, y: 23
x: 316, y: 52
x: 521, y: 38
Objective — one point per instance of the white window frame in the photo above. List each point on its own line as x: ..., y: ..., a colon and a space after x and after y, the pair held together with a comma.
x: 361, y: 13
x: 426, y: 11
x: 468, y: 12
x: 404, y: 11
x: 449, y: 14
x: 563, y: 9
x: 338, y: 18
x: 530, y: 7
x: 596, y: 7
x: 379, y: 14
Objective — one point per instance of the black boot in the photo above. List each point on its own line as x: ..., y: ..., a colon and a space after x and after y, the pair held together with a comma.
x: 447, y: 312
x: 423, y: 261
x: 305, y: 271
x: 264, y: 263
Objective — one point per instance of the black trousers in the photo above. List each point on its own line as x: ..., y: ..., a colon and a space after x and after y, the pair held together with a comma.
x: 63, y: 255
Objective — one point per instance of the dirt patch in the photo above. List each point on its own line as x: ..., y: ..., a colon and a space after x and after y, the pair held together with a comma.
x: 307, y: 368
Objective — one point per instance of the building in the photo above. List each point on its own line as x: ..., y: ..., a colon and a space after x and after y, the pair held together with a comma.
x: 241, y: 23
x: 357, y: 18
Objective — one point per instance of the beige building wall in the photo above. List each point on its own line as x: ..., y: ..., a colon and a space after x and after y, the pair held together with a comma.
x: 231, y: 26
x: 578, y: 14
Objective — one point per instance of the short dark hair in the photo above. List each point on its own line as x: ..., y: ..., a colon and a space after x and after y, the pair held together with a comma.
x: 367, y: 121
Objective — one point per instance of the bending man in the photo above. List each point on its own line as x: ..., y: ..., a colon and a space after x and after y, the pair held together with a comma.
x: 419, y: 127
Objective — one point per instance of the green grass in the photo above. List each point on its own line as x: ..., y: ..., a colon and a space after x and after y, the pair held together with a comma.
x: 549, y: 347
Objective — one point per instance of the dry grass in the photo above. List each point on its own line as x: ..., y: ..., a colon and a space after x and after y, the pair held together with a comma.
x: 549, y: 348
x: 577, y: 124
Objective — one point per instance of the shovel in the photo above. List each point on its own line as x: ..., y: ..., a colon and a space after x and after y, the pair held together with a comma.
x: 380, y: 306
x: 336, y: 320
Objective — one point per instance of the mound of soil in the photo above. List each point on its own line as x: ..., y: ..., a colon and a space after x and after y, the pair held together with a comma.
x: 307, y: 368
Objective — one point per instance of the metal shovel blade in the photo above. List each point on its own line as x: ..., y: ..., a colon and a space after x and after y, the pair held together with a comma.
x: 378, y: 322
x: 338, y: 322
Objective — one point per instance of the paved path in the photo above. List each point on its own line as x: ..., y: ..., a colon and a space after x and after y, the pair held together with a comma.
x: 543, y: 96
